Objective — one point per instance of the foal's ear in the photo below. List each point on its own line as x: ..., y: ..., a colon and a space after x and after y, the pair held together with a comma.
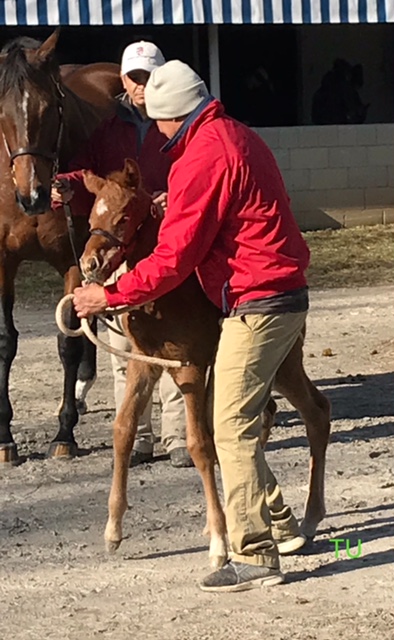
x: 93, y: 183
x: 48, y: 47
x: 132, y: 174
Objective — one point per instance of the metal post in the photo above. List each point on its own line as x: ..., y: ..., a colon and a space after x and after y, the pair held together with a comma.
x: 214, y: 64
x: 196, y: 48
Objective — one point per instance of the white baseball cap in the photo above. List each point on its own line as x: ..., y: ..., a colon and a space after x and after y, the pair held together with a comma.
x: 141, y: 55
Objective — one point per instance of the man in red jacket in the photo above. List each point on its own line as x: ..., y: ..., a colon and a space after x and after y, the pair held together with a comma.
x: 229, y: 219
x: 130, y: 133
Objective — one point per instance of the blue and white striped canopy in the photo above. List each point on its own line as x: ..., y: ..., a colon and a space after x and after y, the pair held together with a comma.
x: 118, y: 12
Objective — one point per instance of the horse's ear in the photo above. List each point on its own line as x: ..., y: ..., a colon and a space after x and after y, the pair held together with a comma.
x: 132, y: 174
x: 48, y: 47
x: 93, y: 183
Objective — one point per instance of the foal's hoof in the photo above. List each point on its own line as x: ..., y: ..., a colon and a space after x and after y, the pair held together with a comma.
x: 112, y: 546
x: 9, y: 454
x: 62, y: 450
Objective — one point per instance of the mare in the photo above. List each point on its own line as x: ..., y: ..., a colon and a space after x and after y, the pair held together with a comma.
x: 182, y: 325
x: 42, y: 124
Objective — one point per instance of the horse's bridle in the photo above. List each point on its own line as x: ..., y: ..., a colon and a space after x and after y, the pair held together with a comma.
x: 37, y: 151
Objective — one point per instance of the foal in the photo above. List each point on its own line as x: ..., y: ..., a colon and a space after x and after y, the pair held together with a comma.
x: 182, y: 325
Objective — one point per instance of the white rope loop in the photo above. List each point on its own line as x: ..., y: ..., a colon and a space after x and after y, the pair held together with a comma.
x: 86, y: 330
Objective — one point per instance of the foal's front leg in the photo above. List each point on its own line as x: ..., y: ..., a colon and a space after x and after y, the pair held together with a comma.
x: 140, y: 380
x: 191, y: 382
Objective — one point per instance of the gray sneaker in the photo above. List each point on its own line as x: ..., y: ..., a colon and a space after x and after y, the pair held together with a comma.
x: 180, y: 457
x: 139, y: 457
x: 239, y: 576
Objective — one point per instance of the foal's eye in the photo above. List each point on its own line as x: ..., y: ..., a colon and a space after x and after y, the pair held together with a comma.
x: 122, y: 222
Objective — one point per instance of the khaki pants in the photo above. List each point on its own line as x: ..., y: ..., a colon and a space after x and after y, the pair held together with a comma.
x: 251, y: 349
x: 173, y: 421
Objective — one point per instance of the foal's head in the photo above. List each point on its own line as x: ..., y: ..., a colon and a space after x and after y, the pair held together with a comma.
x: 31, y: 118
x: 120, y: 208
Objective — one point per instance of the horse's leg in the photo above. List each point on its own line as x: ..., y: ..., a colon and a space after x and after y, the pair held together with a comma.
x: 140, y: 380
x: 191, y: 382
x: 8, y: 347
x: 314, y: 408
x: 70, y: 353
x: 268, y: 421
x: 86, y: 374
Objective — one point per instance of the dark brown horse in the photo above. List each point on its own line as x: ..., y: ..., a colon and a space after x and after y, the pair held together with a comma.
x: 42, y: 125
x: 181, y: 325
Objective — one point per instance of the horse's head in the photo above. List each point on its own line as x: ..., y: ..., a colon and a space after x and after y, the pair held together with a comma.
x: 120, y: 208
x: 31, y: 118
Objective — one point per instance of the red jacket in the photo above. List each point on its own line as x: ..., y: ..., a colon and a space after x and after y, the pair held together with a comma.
x: 114, y: 140
x: 228, y: 217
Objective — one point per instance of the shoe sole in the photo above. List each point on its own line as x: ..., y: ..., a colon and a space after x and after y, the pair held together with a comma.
x: 291, y: 546
x: 269, y: 581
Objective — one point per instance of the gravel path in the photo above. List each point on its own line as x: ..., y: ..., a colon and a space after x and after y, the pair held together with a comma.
x: 56, y: 580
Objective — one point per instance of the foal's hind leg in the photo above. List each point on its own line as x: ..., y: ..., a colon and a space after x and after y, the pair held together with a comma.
x: 140, y: 381
x: 71, y: 353
x: 191, y: 382
x: 314, y: 408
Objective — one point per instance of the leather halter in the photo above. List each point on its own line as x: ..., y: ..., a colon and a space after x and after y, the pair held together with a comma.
x: 37, y: 151
x: 106, y: 234
x: 115, y: 242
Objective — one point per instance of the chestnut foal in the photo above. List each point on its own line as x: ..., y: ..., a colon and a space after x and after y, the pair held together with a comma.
x: 181, y: 325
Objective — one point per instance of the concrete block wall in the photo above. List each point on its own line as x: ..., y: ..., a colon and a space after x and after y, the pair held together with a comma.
x: 336, y: 176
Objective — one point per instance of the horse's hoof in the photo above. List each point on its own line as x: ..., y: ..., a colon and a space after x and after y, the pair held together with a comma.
x: 112, y: 546
x: 82, y: 407
x: 63, y: 450
x: 9, y: 454
x: 308, y: 530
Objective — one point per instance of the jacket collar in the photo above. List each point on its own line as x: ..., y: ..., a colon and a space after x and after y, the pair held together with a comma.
x: 127, y: 112
x: 209, y: 109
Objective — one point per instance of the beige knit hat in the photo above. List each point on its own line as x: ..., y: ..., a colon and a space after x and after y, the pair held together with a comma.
x: 173, y: 90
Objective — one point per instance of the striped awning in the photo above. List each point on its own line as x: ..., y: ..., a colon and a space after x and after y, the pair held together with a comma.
x: 118, y: 12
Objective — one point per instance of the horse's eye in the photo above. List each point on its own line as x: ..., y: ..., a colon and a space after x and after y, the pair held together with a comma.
x: 121, y: 222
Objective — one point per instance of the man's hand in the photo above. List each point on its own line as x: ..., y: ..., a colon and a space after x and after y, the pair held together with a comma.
x: 89, y: 300
x: 61, y: 191
x: 160, y: 201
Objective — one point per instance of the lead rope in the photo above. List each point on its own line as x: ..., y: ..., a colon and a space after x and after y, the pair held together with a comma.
x: 86, y: 330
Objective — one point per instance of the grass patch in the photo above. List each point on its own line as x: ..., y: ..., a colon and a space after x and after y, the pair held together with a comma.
x: 356, y: 257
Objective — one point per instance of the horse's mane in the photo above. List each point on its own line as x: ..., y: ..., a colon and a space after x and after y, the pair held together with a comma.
x: 15, y: 70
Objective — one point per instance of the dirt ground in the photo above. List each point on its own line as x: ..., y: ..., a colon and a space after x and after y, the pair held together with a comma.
x: 58, y: 583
